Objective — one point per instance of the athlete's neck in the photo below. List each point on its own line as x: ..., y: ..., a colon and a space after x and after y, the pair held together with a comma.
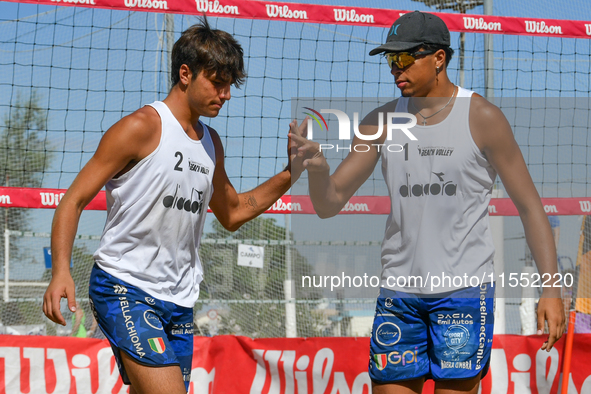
x: 435, y: 98
x: 178, y: 104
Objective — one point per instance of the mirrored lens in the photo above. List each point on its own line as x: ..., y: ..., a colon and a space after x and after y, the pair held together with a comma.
x: 401, y: 60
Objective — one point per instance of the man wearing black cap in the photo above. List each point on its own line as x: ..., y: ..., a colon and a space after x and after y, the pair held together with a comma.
x: 428, y: 324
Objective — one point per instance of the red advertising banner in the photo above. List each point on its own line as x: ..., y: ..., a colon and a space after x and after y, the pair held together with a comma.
x: 340, y: 15
x: 21, y: 197
x: 230, y: 364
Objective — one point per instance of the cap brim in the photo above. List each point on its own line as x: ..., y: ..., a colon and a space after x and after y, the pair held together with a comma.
x: 394, y: 46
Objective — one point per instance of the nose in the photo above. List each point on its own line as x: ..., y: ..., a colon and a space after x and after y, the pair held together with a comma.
x: 225, y: 92
x: 396, y: 71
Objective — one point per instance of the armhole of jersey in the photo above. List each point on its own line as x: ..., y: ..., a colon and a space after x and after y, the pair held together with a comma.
x: 133, y: 169
x: 473, y: 143
x: 207, y: 142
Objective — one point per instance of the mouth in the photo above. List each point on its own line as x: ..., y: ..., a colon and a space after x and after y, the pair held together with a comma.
x: 401, y: 84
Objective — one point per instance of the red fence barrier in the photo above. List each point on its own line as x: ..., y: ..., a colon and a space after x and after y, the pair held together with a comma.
x: 230, y: 364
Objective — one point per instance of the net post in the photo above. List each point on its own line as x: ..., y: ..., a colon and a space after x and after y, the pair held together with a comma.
x: 489, y: 61
x: 169, y: 19
x: 6, y: 263
x: 288, y: 287
x: 498, y: 235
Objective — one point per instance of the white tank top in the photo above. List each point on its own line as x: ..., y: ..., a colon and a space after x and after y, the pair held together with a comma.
x: 155, y: 216
x: 440, y: 188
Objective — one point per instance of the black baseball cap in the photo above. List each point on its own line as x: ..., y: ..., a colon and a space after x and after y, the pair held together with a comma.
x: 414, y: 29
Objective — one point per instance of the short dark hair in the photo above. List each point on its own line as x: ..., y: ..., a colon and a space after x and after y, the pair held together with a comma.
x: 213, y: 51
x: 448, y: 51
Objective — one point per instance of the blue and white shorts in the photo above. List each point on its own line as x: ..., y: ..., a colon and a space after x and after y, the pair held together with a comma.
x: 448, y: 337
x: 154, y: 333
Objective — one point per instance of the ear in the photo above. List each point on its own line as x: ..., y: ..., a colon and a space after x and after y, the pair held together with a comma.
x: 440, y: 59
x: 185, y: 75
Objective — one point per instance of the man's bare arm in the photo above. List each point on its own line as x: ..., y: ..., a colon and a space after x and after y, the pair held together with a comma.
x: 233, y: 209
x: 493, y: 135
x: 127, y: 142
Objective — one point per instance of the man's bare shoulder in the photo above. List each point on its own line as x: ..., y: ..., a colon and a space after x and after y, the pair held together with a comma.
x: 133, y: 137
x: 483, y: 111
x: 142, y: 123
x: 488, y: 124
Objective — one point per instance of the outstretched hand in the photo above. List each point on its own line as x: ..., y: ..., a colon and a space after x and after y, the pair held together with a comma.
x: 304, y: 150
x: 551, y: 309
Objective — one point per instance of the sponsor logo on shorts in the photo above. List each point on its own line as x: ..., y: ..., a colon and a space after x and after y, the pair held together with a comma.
x: 406, y: 357
x: 157, y: 345
x: 152, y: 320
x: 456, y: 364
x: 456, y: 337
x: 482, y: 340
x: 454, y: 318
x: 120, y: 289
x: 381, y: 361
x: 387, y: 334
x: 130, y: 326
x: 150, y: 301
x: 182, y: 329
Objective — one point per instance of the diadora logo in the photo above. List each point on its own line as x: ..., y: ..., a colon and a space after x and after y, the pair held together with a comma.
x: 279, y: 11
x: 341, y: 15
x: 439, y: 188
x: 541, y: 27
x: 193, y: 203
x: 216, y: 8
x: 120, y: 289
x: 585, y: 206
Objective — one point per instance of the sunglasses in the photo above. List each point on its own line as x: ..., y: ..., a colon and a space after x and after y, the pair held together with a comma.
x: 405, y: 59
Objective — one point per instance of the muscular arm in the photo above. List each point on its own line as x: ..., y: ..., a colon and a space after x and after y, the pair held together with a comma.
x: 492, y: 133
x: 233, y: 209
x: 123, y: 145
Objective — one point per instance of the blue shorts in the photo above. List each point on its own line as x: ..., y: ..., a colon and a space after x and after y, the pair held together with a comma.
x: 449, y: 337
x: 154, y: 333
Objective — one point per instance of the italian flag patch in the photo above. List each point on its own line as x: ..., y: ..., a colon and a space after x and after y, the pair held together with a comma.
x: 381, y: 360
x: 157, y: 345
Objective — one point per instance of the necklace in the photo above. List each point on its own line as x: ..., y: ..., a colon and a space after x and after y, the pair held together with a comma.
x: 435, y: 113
